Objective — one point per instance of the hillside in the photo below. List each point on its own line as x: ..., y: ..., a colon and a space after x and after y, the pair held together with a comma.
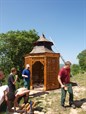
x: 49, y: 102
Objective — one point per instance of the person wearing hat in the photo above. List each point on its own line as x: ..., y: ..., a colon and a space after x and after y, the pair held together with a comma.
x: 64, y: 80
x: 26, y: 76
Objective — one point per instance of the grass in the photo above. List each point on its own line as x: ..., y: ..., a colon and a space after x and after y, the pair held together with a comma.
x: 80, y: 79
x: 51, y: 100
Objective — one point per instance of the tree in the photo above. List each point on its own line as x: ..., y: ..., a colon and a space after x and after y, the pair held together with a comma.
x: 82, y: 60
x: 75, y: 69
x: 14, y: 45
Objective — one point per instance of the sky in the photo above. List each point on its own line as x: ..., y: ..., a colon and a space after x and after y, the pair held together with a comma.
x: 62, y: 21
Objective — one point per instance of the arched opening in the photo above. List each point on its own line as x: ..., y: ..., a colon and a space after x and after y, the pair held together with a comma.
x: 38, y: 74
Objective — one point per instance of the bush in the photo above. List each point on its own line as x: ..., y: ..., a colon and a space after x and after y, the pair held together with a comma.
x: 75, y: 69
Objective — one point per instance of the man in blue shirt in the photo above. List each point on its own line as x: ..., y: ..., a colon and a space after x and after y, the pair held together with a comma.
x: 26, y: 76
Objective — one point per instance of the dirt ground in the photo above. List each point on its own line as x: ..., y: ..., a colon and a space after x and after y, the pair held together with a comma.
x: 48, y: 102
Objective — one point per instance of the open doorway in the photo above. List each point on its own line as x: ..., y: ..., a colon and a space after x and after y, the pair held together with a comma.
x: 38, y: 75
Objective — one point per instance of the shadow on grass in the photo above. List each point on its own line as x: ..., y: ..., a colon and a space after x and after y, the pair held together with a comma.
x: 39, y: 94
x: 80, y: 102
x: 38, y: 108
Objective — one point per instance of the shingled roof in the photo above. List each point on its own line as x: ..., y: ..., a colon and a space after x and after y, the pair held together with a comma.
x: 42, y: 45
x: 43, y: 39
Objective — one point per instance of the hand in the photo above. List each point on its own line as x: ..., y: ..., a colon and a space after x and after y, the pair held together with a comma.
x: 26, y: 76
x: 16, y: 77
x: 66, y: 88
x: 62, y: 86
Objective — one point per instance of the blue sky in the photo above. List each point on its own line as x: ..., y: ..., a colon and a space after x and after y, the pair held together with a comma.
x: 64, y: 21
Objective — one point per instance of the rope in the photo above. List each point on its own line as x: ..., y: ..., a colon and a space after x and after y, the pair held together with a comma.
x: 58, y: 51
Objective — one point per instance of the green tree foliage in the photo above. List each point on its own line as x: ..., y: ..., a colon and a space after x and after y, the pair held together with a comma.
x: 75, y: 69
x: 82, y: 60
x: 14, y: 45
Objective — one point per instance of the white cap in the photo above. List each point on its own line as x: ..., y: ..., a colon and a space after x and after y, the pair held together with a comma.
x: 27, y: 65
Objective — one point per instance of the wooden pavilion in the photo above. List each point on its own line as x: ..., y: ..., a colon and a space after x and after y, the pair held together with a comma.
x: 44, y: 64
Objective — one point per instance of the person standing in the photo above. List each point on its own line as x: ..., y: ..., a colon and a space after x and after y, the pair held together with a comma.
x: 26, y: 76
x: 12, y: 88
x: 64, y: 80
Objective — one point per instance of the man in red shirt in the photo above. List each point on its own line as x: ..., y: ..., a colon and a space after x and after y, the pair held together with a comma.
x: 64, y: 80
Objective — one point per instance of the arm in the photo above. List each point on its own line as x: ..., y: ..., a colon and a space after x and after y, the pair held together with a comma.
x: 5, y: 95
x: 13, y: 81
x: 25, y: 76
x: 59, y: 79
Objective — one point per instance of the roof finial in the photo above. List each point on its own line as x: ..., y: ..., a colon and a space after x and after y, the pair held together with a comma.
x: 43, y: 35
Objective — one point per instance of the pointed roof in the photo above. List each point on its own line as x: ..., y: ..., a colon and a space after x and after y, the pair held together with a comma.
x: 43, y: 39
x: 42, y: 45
x: 41, y: 49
